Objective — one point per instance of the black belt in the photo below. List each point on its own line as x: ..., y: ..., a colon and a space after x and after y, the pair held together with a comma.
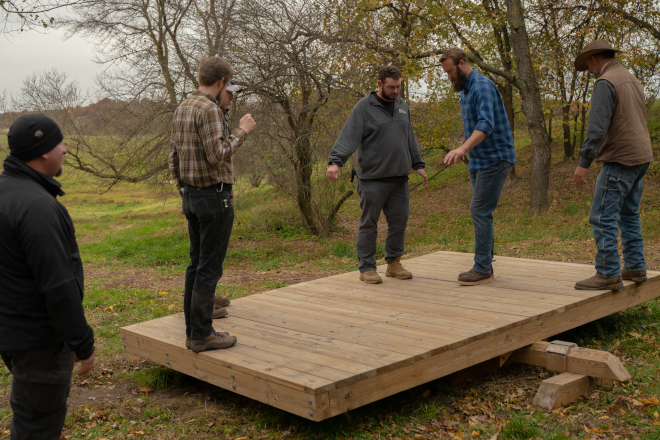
x: 217, y: 187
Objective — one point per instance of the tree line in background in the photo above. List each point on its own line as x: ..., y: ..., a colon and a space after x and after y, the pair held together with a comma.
x: 305, y: 63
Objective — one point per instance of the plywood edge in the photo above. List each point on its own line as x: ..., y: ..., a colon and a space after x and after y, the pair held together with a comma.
x: 162, y: 353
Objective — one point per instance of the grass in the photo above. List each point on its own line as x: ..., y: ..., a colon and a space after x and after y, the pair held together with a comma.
x: 133, y: 241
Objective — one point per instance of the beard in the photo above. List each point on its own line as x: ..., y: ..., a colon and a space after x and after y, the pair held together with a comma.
x: 59, y: 172
x: 390, y: 97
x: 458, y: 83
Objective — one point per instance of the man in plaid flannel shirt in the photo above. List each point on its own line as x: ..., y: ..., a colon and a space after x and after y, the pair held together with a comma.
x: 201, y: 149
x: 489, y: 141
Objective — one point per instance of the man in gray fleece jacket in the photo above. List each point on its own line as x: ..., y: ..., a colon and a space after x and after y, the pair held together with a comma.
x: 379, y: 128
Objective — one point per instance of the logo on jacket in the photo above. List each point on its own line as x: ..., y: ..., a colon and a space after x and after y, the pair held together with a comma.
x: 402, y: 111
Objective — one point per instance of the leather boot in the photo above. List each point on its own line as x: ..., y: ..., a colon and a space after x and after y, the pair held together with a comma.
x: 395, y: 269
x: 188, y: 338
x: 221, y: 301
x: 219, y: 312
x: 598, y: 283
x: 472, y: 278
x: 214, y: 341
x: 371, y: 277
x: 636, y: 276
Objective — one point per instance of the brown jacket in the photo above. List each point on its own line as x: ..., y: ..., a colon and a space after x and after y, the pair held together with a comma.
x: 627, y: 141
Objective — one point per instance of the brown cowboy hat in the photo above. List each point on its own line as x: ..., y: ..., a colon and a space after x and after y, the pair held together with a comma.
x: 592, y: 49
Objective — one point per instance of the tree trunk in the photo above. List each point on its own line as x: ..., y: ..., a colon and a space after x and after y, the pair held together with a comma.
x: 568, y: 146
x: 532, y: 106
x: 304, y: 170
x: 550, y: 127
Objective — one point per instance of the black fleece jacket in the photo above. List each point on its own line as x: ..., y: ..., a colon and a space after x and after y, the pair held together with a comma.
x: 41, y: 274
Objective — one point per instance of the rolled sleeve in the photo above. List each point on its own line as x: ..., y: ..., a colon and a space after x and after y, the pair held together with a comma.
x: 485, y: 113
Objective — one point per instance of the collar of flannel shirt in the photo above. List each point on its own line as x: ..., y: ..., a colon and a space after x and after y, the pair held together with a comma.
x: 470, y: 79
x: 208, y: 95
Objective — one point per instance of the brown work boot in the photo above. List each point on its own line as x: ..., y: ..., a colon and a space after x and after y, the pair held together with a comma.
x: 638, y: 276
x: 221, y: 301
x: 395, y: 269
x: 472, y: 278
x: 219, y: 312
x: 492, y: 272
x: 371, y: 277
x: 598, y: 283
x: 214, y: 341
x: 188, y: 338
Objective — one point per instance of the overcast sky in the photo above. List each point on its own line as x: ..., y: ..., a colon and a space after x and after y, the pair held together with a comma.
x: 24, y: 53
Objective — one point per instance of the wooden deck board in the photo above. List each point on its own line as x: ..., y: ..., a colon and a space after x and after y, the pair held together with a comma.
x: 320, y: 348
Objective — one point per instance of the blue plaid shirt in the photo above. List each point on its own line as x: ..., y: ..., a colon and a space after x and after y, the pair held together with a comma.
x: 482, y: 109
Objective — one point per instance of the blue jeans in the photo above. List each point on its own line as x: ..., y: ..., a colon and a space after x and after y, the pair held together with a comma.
x: 616, y: 206
x: 487, y: 186
x: 210, y: 217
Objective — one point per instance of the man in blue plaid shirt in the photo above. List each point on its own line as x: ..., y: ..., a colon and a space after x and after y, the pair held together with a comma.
x: 489, y: 141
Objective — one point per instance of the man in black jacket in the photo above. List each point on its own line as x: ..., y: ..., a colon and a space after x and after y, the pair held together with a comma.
x: 42, y: 323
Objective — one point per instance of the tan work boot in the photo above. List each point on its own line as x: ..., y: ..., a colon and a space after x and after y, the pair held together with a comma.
x: 472, y: 278
x: 598, y: 283
x: 221, y: 301
x: 395, y: 269
x: 371, y: 277
x: 636, y: 276
x: 214, y: 341
x: 219, y: 312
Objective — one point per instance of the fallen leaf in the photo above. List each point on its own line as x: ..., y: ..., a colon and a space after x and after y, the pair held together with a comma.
x: 476, y: 434
x: 427, y: 393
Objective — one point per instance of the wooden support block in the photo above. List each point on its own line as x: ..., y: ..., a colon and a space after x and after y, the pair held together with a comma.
x: 561, y: 390
x: 596, y: 363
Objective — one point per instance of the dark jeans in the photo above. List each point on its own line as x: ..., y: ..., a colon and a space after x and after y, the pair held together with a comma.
x: 616, y: 206
x: 40, y: 388
x: 210, y: 217
x: 392, y: 198
x: 487, y: 186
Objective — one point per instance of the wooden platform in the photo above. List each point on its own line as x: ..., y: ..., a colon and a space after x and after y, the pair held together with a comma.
x: 321, y: 348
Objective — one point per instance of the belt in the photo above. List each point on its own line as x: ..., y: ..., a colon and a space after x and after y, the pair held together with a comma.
x: 218, y: 187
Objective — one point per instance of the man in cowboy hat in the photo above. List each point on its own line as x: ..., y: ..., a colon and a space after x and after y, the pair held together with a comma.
x: 617, y: 135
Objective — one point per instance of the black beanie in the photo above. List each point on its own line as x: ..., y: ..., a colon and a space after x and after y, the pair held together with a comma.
x: 30, y: 136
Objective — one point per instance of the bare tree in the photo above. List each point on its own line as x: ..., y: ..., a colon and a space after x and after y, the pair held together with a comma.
x: 294, y: 75
x: 23, y: 15
x: 151, y: 49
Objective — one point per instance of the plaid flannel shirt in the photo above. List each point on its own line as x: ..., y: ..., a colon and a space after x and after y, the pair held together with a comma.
x: 482, y: 109
x: 201, y: 146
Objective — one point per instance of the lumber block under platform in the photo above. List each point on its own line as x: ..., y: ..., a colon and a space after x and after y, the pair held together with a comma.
x: 561, y: 390
x: 596, y: 363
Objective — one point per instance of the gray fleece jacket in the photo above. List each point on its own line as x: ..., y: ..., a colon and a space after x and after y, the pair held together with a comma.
x: 386, y: 145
